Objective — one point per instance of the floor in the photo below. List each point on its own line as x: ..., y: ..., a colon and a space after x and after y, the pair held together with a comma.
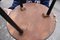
x: 4, y: 35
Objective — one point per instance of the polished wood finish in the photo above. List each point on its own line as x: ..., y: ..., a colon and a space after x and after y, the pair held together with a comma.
x: 32, y: 22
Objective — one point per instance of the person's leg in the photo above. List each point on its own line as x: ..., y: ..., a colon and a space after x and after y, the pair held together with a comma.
x: 15, y: 3
x: 45, y: 2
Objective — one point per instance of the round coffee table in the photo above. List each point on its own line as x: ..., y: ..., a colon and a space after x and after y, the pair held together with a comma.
x: 32, y: 22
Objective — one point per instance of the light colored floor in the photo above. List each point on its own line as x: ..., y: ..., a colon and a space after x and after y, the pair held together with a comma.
x: 56, y: 34
x: 4, y: 35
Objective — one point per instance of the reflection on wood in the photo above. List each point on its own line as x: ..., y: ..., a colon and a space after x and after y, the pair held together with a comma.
x: 31, y: 21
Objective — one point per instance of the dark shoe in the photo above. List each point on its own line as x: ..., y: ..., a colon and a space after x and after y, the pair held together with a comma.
x: 33, y: 1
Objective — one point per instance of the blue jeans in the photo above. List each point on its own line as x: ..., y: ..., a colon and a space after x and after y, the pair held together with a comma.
x: 16, y: 3
x: 45, y: 2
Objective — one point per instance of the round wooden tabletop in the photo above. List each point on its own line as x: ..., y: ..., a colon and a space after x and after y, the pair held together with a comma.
x: 32, y: 22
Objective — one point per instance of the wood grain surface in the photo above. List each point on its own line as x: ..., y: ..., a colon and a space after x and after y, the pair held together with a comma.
x: 31, y: 21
